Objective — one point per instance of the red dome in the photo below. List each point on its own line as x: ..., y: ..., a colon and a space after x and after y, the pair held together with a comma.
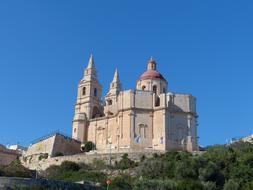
x: 150, y: 74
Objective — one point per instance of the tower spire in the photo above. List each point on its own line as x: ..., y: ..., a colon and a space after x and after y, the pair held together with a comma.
x: 90, y: 71
x: 115, y: 85
x: 116, y: 76
x: 91, y: 62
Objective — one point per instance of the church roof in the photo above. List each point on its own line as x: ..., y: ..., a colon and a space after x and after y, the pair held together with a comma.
x: 150, y: 74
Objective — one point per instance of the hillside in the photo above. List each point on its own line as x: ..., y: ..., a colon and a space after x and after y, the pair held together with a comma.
x: 219, y: 168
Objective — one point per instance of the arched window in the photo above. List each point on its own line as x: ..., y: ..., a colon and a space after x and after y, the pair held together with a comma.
x: 95, y: 92
x: 155, y: 89
x: 84, y: 91
x: 157, y: 102
x: 95, y: 112
x: 143, y: 87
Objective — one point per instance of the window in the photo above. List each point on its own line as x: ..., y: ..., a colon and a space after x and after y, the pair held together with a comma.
x: 155, y: 89
x: 157, y: 102
x: 84, y: 91
x: 143, y: 87
x: 74, y: 130
x: 95, y: 92
x: 164, y: 90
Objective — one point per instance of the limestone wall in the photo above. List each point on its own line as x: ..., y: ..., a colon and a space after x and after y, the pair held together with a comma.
x: 41, y: 147
x: 53, y: 144
x: 85, y: 158
x: 66, y: 145
x: 159, y: 138
x: 183, y: 102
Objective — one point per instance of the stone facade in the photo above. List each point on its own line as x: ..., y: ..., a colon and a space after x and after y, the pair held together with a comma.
x: 149, y: 117
x: 7, y: 155
x: 52, y: 144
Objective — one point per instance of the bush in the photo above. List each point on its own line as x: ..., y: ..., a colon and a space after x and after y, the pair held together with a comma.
x: 99, y: 164
x: 231, y: 185
x: 152, y: 184
x: 189, y: 185
x: 43, y: 156
x: 209, y: 185
x: 125, y: 163
x: 57, y: 154
x: 121, y: 182
x: 69, y: 166
x: 16, y: 169
x: 52, y: 172
x: 88, y: 146
x: 143, y: 158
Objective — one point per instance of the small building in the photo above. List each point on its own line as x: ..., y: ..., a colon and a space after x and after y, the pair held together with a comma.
x: 53, y: 144
x: 8, y: 155
x: 17, y: 147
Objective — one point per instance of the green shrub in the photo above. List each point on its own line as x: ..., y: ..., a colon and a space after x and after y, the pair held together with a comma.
x: 121, y: 182
x: 16, y: 169
x: 125, y: 163
x: 152, y: 184
x: 57, y: 154
x: 231, y: 185
x: 43, y: 156
x: 88, y: 146
x: 52, y: 172
x: 143, y: 158
x: 69, y: 166
x: 99, y: 164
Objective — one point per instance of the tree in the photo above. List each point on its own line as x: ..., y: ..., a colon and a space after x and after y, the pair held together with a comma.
x: 88, y: 146
x: 125, y: 163
x: 69, y: 166
x: 231, y: 185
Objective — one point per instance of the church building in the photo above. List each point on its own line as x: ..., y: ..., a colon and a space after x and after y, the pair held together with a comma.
x: 150, y: 117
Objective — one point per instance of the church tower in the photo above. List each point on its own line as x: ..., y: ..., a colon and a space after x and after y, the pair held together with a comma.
x: 88, y: 105
x: 112, y: 96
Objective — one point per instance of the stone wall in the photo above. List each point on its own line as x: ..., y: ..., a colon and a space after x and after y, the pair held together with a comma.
x: 7, y: 183
x: 54, y: 143
x: 35, y: 164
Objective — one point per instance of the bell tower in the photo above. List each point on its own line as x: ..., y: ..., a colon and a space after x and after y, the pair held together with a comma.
x: 111, y: 98
x: 88, y: 105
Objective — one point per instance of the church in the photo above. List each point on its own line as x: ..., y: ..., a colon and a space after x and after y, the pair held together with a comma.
x: 150, y: 117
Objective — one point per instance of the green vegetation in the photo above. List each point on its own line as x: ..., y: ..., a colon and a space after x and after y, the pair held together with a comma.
x: 125, y: 163
x: 88, y: 146
x: 15, y: 169
x: 43, y: 156
x: 70, y: 171
x: 57, y: 154
x: 219, y: 168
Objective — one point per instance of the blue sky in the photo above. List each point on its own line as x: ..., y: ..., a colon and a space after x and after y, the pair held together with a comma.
x: 202, y: 47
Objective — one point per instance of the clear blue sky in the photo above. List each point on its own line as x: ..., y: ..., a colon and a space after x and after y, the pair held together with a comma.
x: 202, y: 47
